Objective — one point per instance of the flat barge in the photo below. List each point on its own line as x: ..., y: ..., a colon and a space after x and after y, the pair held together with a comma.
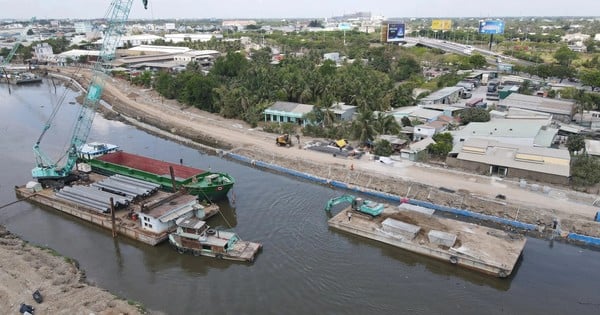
x: 148, y: 219
x: 204, y: 184
x: 487, y: 250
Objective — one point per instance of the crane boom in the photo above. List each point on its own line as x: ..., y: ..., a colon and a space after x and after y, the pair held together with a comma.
x: 48, y: 169
x: 22, y: 36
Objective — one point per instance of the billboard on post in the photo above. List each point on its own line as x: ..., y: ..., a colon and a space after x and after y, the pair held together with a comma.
x: 344, y: 26
x: 491, y: 27
x: 395, y: 32
x: 441, y: 25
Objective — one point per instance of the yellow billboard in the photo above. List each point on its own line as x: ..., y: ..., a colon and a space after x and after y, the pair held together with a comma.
x: 441, y: 25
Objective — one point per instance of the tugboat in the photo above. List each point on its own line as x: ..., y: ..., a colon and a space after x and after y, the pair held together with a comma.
x: 195, y: 236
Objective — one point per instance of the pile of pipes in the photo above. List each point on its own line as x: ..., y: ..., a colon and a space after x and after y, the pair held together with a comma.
x: 127, y: 186
x: 122, y: 189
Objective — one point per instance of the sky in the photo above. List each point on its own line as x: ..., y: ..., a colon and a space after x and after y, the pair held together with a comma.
x: 172, y: 9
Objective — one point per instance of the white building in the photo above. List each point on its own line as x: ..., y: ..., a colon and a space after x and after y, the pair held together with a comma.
x: 169, y: 26
x: 160, y: 219
x: 43, y: 52
x: 343, y: 112
x: 423, y: 131
x: 83, y: 27
x: 178, y: 38
x: 72, y: 55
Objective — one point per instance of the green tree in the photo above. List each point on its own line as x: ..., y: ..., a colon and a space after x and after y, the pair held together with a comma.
x: 406, y: 67
x: 590, y: 77
x: 442, y: 145
x: 406, y: 122
x: 474, y: 115
x: 383, y: 148
x: 585, y: 171
x: 315, y: 23
x: 386, y: 124
x: 229, y: 66
x: 82, y: 59
x: 565, y: 56
x: 575, y: 143
x: 144, y: 79
x: 362, y: 128
x: 164, y: 84
x: 477, y: 61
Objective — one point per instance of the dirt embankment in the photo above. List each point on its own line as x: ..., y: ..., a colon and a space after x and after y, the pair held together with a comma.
x: 148, y: 107
x: 25, y: 268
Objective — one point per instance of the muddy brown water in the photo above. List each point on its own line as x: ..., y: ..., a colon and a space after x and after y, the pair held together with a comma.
x: 305, y: 267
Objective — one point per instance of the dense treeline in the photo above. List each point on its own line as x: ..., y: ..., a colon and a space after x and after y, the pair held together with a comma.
x: 239, y: 87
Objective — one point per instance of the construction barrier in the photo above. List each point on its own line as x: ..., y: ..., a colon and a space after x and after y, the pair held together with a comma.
x: 386, y: 196
x: 588, y: 240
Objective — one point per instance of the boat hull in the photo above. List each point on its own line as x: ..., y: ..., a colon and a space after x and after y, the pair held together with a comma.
x: 242, y: 250
x: 206, y: 185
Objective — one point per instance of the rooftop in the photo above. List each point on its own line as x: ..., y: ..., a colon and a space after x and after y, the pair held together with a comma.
x: 541, y: 160
x: 442, y: 93
x: 541, y: 104
x: 281, y: 107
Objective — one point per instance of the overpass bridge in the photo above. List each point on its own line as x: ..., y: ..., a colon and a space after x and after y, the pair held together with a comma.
x: 462, y: 49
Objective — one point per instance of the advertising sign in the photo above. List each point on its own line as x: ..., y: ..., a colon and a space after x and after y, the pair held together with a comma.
x: 395, y: 32
x: 441, y: 25
x: 491, y: 27
x: 344, y: 26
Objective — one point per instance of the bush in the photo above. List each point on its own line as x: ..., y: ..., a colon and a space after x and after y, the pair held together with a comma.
x: 383, y: 148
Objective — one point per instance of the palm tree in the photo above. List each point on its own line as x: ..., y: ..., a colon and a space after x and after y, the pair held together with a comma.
x: 386, y: 124
x: 362, y: 128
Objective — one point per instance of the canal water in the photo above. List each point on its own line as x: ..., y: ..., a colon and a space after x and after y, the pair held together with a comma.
x: 304, y: 267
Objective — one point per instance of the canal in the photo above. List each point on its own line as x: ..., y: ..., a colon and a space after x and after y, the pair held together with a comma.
x: 304, y: 267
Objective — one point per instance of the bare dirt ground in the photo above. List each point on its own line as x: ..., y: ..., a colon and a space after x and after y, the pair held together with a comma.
x: 25, y: 268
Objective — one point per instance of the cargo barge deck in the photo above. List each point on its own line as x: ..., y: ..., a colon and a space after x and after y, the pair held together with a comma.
x: 487, y: 250
x: 204, y: 184
x: 149, y: 219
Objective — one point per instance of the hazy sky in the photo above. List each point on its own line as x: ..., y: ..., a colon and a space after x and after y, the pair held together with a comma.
x: 25, y: 9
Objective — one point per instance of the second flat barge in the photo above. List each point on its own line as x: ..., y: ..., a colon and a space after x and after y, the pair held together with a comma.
x: 487, y: 250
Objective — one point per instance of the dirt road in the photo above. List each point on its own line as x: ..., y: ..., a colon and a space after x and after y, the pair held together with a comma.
x: 403, y: 177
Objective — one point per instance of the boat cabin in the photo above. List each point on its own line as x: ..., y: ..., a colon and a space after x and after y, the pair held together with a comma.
x: 93, y: 150
x: 195, y: 234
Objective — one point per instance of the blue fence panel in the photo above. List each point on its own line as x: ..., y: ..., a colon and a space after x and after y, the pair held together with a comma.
x: 385, y: 196
x: 584, y: 239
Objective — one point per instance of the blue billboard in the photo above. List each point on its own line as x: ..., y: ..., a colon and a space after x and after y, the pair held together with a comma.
x: 395, y: 32
x: 491, y: 27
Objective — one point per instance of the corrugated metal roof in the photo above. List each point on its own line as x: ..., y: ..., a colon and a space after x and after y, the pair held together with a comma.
x: 440, y: 94
x: 592, y: 147
x: 542, y: 104
x: 545, y: 137
x: 421, y: 145
x: 289, y: 107
x: 513, y: 130
x: 541, y: 160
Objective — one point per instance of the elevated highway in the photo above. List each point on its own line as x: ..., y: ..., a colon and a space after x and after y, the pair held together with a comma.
x: 462, y: 49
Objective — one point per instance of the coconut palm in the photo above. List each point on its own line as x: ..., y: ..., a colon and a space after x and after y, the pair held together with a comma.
x: 386, y: 124
x: 362, y: 128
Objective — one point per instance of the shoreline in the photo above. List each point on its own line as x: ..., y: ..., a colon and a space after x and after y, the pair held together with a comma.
x: 26, y: 268
x: 210, y: 132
